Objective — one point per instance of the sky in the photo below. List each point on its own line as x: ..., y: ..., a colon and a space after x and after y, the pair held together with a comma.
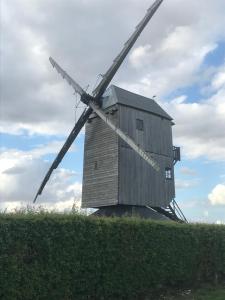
x: 180, y: 58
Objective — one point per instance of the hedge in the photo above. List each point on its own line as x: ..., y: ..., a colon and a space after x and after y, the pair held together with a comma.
x: 63, y: 257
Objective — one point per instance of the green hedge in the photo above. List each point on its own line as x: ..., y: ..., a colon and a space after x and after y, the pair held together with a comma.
x: 64, y: 257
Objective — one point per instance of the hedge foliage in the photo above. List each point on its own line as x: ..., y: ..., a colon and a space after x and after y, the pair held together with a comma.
x: 63, y: 257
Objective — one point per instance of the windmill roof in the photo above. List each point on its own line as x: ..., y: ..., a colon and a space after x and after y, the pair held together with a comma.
x: 114, y: 95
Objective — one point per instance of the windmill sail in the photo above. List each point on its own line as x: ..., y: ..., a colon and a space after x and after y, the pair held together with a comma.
x: 116, y: 129
x: 78, y: 89
x: 98, y: 92
x: 73, y: 134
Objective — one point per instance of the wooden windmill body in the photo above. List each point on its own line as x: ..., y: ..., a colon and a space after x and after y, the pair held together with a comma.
x: 129, y: 156
x: 115, y: 178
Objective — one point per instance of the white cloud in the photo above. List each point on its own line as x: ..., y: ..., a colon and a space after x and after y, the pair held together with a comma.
x: 219, y: 222
x: 187, y: 171
x: 176, y: 61
x: 200, y: 126
x: 21, y: 175
x: 169, y: 64
x: 168, y: 54
x: 217, y: 196
x: 186, y: 184
x: 219, y: 80
x: 139, y: 55
x: 24, y: 206
x: 198, y: 209
x: 10, y: 158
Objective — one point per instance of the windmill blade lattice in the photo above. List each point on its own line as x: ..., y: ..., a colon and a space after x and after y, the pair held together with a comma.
x: 99, y: 90
x: 91, y: 102
x: 72, y: 136
x: 78, y: 89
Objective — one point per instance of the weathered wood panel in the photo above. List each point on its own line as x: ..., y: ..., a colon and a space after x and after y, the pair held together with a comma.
x: 157, y: 134
x: 100, y: 172
x: 139, y: 183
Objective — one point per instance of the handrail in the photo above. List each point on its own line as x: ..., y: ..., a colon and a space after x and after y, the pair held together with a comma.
x: 179, y: 211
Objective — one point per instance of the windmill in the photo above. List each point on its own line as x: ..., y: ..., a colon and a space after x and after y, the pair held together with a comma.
x: 99, y: 115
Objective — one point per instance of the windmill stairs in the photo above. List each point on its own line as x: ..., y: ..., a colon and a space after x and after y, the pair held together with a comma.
x: 172, y: 211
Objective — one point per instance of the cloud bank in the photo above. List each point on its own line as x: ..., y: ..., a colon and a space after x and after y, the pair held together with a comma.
x: 21, y: 173
x: 217, y: 196
x: 84, y: 37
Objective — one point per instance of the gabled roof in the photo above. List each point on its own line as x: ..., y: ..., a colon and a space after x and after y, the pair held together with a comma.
x: 114, y: 95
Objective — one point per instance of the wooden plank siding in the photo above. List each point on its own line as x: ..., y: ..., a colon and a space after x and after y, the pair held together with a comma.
x: 100, y: 171
x: 139, y: 183
x: 113, y: 173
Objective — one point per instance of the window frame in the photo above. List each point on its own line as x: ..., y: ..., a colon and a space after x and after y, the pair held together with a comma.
x: 139, y: 124
x: 168, y: 173
x: 95, y: 165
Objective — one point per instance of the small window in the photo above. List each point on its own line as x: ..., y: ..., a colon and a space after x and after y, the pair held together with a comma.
x: 139, y: 124
x: 95, y: 165
x: 168, y: 173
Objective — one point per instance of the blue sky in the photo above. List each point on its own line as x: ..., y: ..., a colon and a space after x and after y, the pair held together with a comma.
x: 180, y: 58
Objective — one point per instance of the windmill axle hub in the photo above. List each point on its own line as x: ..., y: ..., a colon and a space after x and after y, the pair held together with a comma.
x: 86, y: 98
